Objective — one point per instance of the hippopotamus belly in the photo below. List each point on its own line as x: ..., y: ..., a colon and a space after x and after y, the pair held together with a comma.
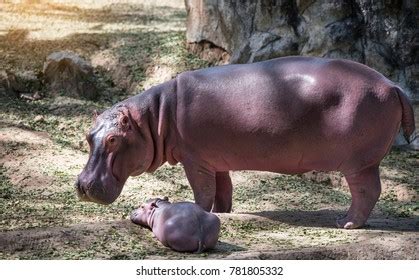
x: 290, y: 117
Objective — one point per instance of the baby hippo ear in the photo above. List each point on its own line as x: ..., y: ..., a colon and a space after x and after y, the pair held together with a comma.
x: 166, y: 198
x: 124, y: 122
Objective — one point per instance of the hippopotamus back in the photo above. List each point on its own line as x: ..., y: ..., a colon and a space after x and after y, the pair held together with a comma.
x: 185, y: 226
x: 298, y: 115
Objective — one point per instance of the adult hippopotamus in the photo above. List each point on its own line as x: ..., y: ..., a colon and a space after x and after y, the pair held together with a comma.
x: 288, y: 115
x: 182, y: 226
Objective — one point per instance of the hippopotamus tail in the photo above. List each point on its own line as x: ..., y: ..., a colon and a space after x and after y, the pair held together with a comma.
x: 201, y: 247
x: 408, y: 120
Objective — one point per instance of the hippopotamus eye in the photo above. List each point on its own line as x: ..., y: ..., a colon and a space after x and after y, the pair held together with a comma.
x: 111, y: 140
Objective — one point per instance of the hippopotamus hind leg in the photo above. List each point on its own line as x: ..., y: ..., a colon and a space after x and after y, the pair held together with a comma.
x: 181, y: 243
x: 365, y: 189
x: 223, y: 194
x: 211, y: 231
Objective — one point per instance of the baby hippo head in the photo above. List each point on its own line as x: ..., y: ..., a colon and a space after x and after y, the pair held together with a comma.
x: 141, y: 215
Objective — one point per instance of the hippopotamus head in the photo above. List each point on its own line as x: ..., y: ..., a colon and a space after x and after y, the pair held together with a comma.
x: 143, y: 213
x: 118, y: 149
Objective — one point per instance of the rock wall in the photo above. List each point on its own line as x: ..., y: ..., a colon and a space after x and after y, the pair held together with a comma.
x: 382, y: 34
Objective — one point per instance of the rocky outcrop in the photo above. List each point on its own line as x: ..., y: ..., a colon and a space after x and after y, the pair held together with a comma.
x: 381, y: 34
x: 70, y: 74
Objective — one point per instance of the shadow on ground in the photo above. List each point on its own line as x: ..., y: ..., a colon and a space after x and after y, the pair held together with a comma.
x: 326, y: 219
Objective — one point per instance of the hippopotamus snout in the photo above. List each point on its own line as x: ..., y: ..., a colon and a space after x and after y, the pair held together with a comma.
x: 104, y: 190
x: 137, y: 217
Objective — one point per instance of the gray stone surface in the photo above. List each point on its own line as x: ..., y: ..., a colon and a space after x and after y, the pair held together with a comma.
x: 68, y: 73
x: 382, y: 34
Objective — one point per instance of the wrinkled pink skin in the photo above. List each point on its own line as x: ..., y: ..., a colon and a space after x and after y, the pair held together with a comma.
x: 288, y: 115
x: 182, y: 226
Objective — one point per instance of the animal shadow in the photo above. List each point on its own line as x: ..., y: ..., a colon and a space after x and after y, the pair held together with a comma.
x: 326, y: 218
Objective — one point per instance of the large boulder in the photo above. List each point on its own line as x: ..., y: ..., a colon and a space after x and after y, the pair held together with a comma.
x: 70, y: 74
x: 381, y: 34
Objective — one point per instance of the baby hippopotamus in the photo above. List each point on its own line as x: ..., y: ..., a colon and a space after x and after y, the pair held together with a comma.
x: 182, y: 226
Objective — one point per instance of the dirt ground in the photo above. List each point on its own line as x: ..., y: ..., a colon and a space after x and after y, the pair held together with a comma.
x: 133, y: 46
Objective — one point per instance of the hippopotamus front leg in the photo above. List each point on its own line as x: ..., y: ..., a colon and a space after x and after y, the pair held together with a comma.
x: 223, y: 194
x: 365, y: 189
x: 202, y: 181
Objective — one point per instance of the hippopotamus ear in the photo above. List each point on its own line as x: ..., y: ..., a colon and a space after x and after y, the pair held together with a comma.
x: 95, y: 114
x: 166, y: 198
x: 124, y: 122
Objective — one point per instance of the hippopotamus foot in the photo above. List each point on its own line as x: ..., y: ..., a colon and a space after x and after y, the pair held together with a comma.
x: 223, y: 194
x: 365, y: 189
x: 349, y: 221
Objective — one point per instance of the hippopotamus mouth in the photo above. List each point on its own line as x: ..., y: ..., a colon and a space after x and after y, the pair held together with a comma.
x: 98, y: 191
x: 101, y: 185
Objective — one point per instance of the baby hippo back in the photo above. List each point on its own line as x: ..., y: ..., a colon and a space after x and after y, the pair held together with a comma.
x: 186, y: 227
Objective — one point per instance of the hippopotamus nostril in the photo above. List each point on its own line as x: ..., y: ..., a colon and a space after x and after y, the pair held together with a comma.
x: 81, y: 193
